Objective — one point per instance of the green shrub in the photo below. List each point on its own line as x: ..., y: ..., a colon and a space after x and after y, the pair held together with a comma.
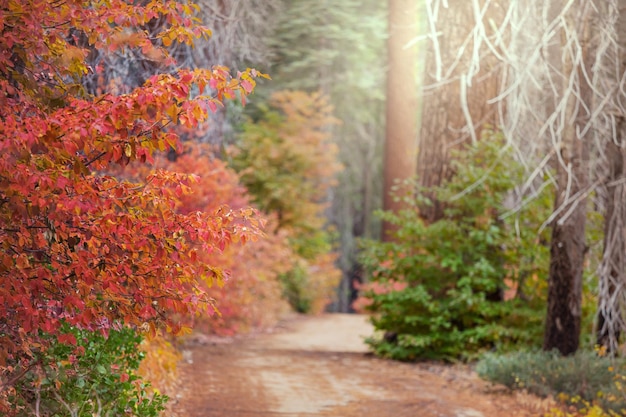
x: 295, y: 283
x: 95, y: 377
x: 437, y: 290
x: 582, y: 379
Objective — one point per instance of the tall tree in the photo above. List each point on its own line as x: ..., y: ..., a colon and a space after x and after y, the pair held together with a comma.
x: 549, y: 105
x: 612, y: 165
x: 568, y: 245
x: 555, y: 108
x: 400, y: 158
x: 611, y: 324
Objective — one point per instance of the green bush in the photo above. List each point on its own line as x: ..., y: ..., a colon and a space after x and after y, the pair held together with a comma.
x: 584, y: 376
x: 295, y: 283
x: 437, y: 290
x: 95, y: 377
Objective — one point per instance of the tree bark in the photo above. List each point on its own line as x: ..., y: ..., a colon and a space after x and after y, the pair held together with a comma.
x: 567, y: 247
x: 613, y: 267
x: 458, y: 82
x: 401, y: 116
x: 567, y: 253
x: 612, y: 271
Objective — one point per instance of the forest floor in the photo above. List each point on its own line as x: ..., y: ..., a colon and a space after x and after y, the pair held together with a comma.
x: 319, y: 366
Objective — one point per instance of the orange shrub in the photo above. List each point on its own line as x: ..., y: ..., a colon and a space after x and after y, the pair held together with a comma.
x: 250, y: 295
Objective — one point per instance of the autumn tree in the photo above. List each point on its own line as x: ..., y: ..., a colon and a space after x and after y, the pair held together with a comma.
x: 81, y: 247
x: 240, y: 37
x: 338, y: 47
x: 251, y: 297
x: 288, y: 164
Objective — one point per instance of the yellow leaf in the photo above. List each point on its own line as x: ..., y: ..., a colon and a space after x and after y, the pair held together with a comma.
x: 128, y: 150
x: 172, y: 112
x: 167, y: 39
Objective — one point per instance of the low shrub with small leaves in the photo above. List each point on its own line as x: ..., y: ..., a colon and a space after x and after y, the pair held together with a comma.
x: 466, y: 283
x: 588, y: 382
x: 86, y: 375
x: 581, y: 408
x: 294, y: 283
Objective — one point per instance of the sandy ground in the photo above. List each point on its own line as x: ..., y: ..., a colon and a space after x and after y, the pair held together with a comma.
x: 319, y: 366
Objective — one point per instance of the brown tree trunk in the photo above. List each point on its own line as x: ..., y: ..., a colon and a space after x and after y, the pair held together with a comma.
x: 567, y: 254
x: 455, y: 91
x: 567, y: 247
x: 401, y: 119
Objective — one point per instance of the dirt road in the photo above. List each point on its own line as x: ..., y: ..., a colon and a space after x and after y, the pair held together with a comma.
x: 318, y: 366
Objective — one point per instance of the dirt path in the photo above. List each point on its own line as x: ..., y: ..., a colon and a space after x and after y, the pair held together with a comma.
x: 318, y: 366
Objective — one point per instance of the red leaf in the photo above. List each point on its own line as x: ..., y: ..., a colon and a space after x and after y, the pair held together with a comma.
x: 67, y: 339
x: 247, y: 86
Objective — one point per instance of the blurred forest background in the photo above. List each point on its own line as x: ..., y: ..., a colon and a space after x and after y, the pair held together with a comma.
x: 453, y: 168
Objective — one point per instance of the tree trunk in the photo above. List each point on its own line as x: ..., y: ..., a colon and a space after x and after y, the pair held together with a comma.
x: 458, y: 82
x: 567, y: 247
x: 613, y: 266
x: 565, y: 290
x: 401, y: 119
x: 612, y: 271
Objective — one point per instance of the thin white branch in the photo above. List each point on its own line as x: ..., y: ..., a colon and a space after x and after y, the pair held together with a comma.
x: 466, y: 111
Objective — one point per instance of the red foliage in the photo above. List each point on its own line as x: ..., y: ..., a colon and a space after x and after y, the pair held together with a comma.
x: 251, y: 295
x: 77, y: 245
